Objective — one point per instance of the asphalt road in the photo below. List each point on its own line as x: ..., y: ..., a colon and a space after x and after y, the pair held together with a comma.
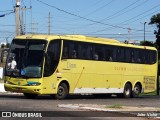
x: 48, y: 107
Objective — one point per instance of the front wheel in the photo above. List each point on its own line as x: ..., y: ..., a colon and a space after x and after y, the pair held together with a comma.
x: 62, y: 91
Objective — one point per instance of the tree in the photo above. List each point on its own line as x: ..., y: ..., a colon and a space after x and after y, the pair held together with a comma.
x: 7, y: 45
x: 155, y: 19
x: 147, y: 43
x: 2, y: 45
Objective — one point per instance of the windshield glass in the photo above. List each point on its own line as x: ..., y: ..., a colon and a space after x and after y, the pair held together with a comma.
x: 25, y: 58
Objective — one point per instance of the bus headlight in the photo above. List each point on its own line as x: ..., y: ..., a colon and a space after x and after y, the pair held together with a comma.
x: 34, y: 83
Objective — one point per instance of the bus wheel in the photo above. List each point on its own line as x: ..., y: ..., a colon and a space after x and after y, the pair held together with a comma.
x: 136, y: 91
x: 30, y: 96
x: 127, y: 91
x: 62, y: 91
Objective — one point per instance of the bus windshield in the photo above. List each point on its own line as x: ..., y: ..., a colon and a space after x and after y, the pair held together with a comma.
x: 25, y: 58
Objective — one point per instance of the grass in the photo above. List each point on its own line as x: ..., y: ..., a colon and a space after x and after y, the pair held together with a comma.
x: 117, y: 106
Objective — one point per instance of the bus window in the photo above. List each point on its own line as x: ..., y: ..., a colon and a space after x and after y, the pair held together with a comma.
x: 109, y: 54
x: 120, y: 54
x: 73, y: 48
x: 132, y: 56
x: 114, y: 54
x: 99, y: 52
x: 65, y: 53
x: 52, y: 57
x: 127, y: 55
x: 152, y: 55
x: 85, y: 51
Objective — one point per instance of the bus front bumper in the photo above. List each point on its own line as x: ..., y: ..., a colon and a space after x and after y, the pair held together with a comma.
x: 22, y: 89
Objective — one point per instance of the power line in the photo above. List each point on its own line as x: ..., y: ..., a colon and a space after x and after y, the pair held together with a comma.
x: 6, y: 10
x: 129, y: 10
x: 141, y: 14
x: 9, y: 25
x: 84, y: 18
x: 130, y: 19
x: 117, y: 13
x: 108, y: 3
x: 3, y: 15
x: 93, y: 12
x: 145, y: 16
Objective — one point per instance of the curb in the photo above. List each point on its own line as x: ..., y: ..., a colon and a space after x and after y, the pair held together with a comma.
x: 2, y: 87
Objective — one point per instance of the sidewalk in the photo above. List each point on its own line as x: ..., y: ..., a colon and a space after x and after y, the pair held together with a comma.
x: 2, y: 87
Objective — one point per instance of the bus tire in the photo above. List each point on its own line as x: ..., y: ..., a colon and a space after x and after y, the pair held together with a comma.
x: 62, y: 91
x: 136, y: 91
x: 30, y: 96
x: 127, y: 91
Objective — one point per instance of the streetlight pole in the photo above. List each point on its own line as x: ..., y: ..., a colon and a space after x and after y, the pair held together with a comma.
x: 145, y: 31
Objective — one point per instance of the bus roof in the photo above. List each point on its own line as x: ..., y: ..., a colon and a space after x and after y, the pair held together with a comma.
x: 75, y: 37
x: 81, y: 38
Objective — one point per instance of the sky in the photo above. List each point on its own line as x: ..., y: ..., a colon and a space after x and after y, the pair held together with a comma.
x: 117, y: 19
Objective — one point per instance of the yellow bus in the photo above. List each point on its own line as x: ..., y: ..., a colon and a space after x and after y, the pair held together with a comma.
x: 61, y: 65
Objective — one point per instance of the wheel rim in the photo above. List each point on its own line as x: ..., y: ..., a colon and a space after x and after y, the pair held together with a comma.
x: 136, y: 90
x: 127, y: 91
x: 60, y: 91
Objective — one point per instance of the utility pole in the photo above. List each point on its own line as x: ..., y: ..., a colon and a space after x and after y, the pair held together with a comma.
x: 129, y: 32
x: 49, y: 24
x: 22, y: 19
x: 144, y: 32
x: 34, y: 28
x: 17, y: 16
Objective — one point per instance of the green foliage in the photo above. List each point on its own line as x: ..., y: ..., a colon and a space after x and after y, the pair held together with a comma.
x: 147, y: 43
x: 2, y: 45
x: 7, y: 45
x: 155, y: 19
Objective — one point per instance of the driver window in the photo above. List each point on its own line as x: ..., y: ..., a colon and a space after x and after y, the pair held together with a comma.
x: 52, y: 57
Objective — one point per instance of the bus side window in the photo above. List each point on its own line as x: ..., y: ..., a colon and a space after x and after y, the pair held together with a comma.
x: 65, y: 52
x: 114, y: 54
x: 74, y: 53
x: 120, y: 54
x: 132, y: 57
x: 101, y: 53
x: 84, y: 51
x: 109, y: 54
x: 127, y: 55
x: 153, y: 57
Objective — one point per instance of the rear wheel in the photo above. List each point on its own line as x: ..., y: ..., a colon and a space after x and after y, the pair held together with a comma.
x: 127, y: 91
x: 30, y: 96
x: 136, y: 91
x: 62, y: 91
